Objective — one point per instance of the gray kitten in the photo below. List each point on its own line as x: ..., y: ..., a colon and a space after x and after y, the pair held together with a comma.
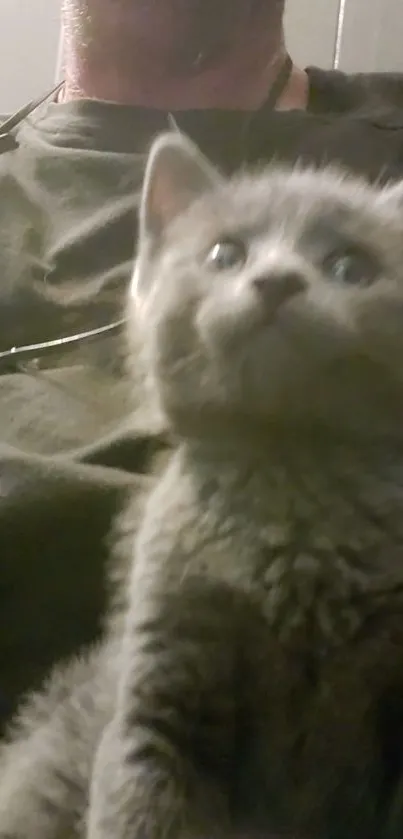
x: 258, y: 685
x: 262, y: 669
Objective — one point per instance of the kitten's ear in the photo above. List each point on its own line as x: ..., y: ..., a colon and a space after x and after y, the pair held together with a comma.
x: 176, y: 174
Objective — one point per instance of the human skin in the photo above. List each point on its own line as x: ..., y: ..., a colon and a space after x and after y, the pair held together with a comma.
x: 177, y: 54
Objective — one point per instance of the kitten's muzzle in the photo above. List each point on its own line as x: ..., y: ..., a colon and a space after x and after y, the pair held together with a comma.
x: 276, y: 288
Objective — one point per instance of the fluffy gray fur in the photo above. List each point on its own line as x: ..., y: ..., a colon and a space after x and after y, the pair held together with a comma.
x: 258, y: 685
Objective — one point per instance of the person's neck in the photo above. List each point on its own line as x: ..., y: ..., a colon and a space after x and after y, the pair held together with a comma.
x: 242, y: 82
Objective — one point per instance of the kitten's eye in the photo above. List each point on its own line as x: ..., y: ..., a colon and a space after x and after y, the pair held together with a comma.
x: 351, y: 267
x: 227, y: 254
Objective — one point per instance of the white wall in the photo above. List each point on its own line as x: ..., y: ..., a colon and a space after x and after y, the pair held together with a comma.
x: 311, y: 29
x: 372, y: 35
x: 29, y: 42
x: 355, y: 35
x: 360, y: 34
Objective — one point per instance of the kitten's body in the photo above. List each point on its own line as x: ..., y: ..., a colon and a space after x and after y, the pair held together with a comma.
x: 261, y: 669
x: 295, y: 558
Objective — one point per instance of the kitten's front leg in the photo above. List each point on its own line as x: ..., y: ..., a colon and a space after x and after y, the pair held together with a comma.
x: 165, y: 764
x: 38, y: 798
x: 147, y: 793
x: 45, y: 769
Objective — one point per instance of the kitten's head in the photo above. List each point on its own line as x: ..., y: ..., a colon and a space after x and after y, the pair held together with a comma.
x: 271, y: 297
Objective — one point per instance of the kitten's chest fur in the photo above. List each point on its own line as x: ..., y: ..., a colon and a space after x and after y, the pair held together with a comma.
x: 314, y: 535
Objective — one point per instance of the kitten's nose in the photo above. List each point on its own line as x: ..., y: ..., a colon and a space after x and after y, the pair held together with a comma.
x: 276, y: 288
